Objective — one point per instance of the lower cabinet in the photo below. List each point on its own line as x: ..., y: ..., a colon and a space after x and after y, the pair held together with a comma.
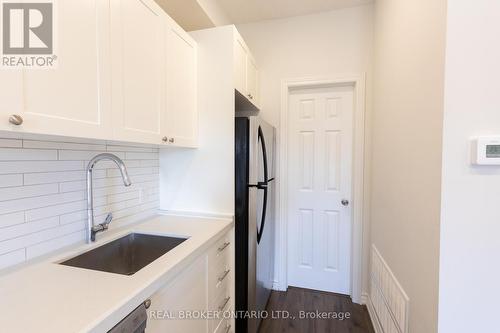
x: 200, y: 298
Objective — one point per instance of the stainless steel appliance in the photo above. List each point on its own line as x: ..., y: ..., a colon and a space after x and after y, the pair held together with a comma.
x: 135, y: 322
x: 255, y: 191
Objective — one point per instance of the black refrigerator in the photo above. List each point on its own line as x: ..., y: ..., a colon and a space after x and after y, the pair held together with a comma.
x: 255, y: 229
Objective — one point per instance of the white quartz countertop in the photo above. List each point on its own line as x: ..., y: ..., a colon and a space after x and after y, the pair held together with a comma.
x: 48, y: 297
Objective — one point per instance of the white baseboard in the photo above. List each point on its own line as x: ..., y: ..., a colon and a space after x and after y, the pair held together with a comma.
x: 278, y: 286
x: 364, y: 298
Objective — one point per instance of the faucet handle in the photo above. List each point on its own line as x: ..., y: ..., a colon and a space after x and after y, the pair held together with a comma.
x: 108, y: 220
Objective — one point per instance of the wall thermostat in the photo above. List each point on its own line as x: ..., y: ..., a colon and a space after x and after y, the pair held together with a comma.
x: 486, y: 150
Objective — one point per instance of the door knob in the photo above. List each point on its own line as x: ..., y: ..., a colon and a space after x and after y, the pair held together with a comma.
x: 345, y: 202
x: 16, y: 119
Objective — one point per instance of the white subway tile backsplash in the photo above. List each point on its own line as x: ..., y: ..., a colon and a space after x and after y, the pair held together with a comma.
x: 142, y: 156
x: 39, y: 166
x: 43, y: 191
x: 72, y: 155
x: 42, y: 248
x: 12, y: 258
x: 56, y: 210
x: 11, y: 219
x: 8, y: 154
x: 28, y: 228
x: 11, y: 180
x: 149, y: 163
x: 62, y: 176
x: 12, y: 193
x: 11, y: 143
x: 130, y: 149
x: 131, y: 172
x: 38, y: 237
x: 63, y: 145
x: 80, y: 185
x: 113, y: 198
x: 38, y: 202
x: 73, y: 217
x: 113, y: 207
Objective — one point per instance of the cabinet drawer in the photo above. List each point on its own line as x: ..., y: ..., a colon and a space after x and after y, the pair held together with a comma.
x: 222, y: 302
x: 219, y: 268
x: 221, y: 249
x: 224, y: 327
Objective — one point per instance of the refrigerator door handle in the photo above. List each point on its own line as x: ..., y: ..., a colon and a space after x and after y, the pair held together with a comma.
x: 263, y: 185
x: 264, y: 210
x: 259, y: 185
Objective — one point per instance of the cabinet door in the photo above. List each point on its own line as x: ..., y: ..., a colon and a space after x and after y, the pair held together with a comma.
x: 138, y: 52
x: 182, y: 108
x: 240, y: 66
x: 188, y: 292
x: 252, y: 81
x: 11, y: 95
x: 73, y: 98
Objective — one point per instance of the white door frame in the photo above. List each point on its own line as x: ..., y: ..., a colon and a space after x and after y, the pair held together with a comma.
x: 358, y: 84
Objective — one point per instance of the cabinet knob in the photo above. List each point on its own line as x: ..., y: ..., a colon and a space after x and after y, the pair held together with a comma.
x: 171, y: 140
x: 250, y: 96
x: 164, y: 139
x: 16, y: 119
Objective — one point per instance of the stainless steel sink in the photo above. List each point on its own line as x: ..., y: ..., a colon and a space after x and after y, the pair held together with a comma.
x: 126, y: 255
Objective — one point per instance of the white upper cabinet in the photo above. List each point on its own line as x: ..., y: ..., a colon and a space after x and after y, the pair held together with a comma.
x: 181, y: 75
x: 125, y: 71
x: 138, y: 67
x: 240, y: 66
x: 252, y: 80
x: 246, y: 75
x: 71, y: 99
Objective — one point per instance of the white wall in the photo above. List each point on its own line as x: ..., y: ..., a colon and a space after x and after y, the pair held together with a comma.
x: 406, y: 147
x: 43, y: 191
x: 325, y: 45
x: 202, y: 180
x: 321, y: 45
x: 470, y: 219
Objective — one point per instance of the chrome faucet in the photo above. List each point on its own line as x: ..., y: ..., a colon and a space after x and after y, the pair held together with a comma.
x: 92, y: 229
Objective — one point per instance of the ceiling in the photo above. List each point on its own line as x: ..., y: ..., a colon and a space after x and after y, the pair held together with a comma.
x: 201, y: 14
x: 246, y: 11
x: 187, y: 13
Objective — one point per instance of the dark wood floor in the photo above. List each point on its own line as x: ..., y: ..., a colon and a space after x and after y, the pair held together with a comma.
x: 295, y: 300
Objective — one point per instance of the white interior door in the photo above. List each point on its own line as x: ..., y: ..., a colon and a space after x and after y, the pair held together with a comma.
x: 320, y: 141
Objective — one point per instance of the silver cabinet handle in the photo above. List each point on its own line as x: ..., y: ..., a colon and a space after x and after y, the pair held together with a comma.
x: 223, y: 276
x: 164, y: 139
x: 16, y: 119
x: 223, y: 305
x: 228, y: 328
x: 147, y: 303
x: 223, y: 247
